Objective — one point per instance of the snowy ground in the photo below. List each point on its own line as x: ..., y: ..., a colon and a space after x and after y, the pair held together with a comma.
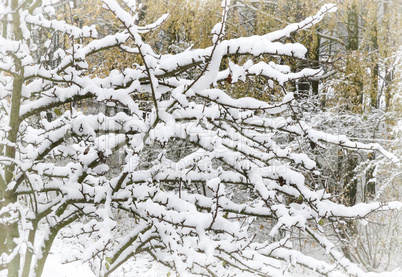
x: 54, y: 268
x: 141, y: 267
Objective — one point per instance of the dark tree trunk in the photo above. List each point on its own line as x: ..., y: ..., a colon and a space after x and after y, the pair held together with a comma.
x: 353, y: 28
x: 374, y: 72
x: 350, y: 180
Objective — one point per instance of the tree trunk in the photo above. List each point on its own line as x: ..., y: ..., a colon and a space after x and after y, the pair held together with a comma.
x: 9, y: 195
x: 353, y: 28
x: 374, y: 71
x: 350, y: 179
x: 350, y: 184
x: 315, y: 56
x: 369, y: 188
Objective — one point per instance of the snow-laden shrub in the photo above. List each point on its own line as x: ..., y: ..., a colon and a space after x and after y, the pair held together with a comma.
x: 75, y: 170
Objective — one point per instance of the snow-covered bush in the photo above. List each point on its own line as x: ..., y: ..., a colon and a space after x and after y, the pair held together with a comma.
x: 191, y: 209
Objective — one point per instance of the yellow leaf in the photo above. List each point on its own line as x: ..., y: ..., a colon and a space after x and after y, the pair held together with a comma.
x: 57, y: 111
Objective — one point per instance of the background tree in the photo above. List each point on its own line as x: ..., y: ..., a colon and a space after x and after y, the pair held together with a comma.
x: 353, y: 51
